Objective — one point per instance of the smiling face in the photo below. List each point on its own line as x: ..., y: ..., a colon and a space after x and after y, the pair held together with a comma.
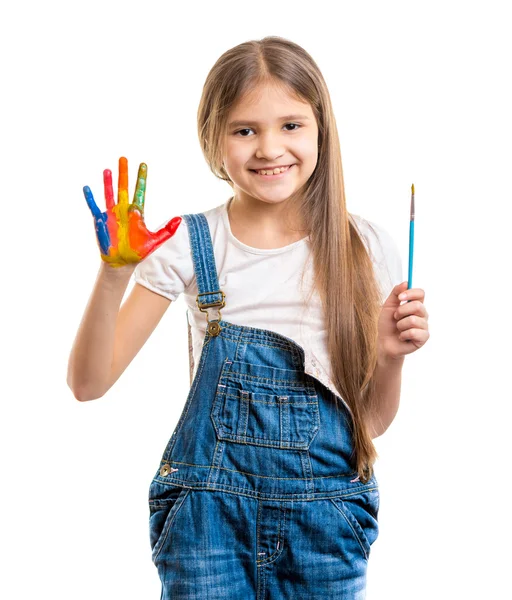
x: 270, y: 128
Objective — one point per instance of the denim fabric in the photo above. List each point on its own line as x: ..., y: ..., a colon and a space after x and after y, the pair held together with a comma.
x: 256, y: 496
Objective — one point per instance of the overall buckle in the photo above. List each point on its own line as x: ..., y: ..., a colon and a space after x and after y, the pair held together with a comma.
x: 213, y: 326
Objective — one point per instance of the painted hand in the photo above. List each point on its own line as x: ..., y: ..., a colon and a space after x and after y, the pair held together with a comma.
x: 403, y: 328
x: 122, y: 235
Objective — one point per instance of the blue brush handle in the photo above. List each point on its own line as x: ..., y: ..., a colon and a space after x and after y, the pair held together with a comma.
x: 411, y: 251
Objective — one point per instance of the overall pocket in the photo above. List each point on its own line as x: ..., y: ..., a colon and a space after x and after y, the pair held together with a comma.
x: 164, y: 503
x: 360, y: 514
x: 265, y: 406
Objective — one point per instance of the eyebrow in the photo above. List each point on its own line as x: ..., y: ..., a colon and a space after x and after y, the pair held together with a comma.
x: 285, y: 118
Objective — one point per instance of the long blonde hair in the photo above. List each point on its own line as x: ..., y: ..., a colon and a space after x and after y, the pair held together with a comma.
x: 343, y: 270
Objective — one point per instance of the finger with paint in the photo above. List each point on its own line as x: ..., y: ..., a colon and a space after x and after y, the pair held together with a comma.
x: 122, y: 235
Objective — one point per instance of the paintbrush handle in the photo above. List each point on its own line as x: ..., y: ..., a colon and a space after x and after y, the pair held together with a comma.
x: 411, y: 251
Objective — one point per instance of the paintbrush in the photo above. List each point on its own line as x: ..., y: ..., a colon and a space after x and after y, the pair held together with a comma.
x: 411, y: 240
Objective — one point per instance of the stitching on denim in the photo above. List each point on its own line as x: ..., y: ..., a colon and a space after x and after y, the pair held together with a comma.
x: 279, y: 549
x: 274, y: 478
x: 210, y: 266
x: 283, y: 511
x: 307, y: 469
x: 169, y: 521
x: 258, y: 520
x: 294, y: 496
x: 266, y: 442
x: 247, y: 336
x: 238, y: 340
x: 186, y: 408
x: 262, y: 581
x: 215, y: 468
x: 262, y: 333
x: 285, y: 382
x: 270, y: 442
x: 194, y: 248
x: 200, y: 262
x: 205, y: 269
x: 300, y: 375
x: 355, y: 529
x: 233, y: 338
x: 296, y: 356
x: 253, y: 401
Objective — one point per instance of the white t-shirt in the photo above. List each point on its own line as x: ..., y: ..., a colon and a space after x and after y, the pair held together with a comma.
x: 263, y: 287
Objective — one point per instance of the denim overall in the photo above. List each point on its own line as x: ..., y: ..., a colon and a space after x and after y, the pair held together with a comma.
x: 256, y: 496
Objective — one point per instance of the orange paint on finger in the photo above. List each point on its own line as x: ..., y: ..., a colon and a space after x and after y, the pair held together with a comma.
x: 122, y: 185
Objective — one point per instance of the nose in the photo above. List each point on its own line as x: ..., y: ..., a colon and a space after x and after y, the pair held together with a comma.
x: 269, y: 147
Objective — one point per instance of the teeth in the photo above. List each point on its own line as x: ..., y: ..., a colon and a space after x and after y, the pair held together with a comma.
x: 273, y: 172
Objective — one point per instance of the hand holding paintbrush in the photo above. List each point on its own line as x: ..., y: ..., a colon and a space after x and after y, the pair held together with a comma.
x: 403, y: 328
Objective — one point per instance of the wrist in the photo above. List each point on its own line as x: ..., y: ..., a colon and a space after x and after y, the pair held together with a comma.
x: 116, y: 273
x: 387, y: 361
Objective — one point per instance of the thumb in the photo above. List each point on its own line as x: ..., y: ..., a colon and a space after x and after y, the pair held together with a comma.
x: 173, y: 224
x: 168, y: 230
x: 393, y: 300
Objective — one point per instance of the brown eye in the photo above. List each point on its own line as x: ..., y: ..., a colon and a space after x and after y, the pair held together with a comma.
x: 240, y: 130
x: 295, y: 127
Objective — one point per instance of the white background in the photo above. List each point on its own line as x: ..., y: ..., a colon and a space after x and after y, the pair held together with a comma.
x: 421, y: 93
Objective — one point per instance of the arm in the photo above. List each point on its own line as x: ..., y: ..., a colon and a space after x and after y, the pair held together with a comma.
x: 388, y: 381
x: 109, y: 337
x: 402, y: 330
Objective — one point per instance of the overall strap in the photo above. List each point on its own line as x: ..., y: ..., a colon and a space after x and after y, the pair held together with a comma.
x: 209, y: 295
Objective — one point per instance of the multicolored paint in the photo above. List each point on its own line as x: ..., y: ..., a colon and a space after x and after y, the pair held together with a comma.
x: 123, y: 237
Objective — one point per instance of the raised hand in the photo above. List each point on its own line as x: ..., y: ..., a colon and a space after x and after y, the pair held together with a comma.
x: 403, y: 329
x: 122, y: 235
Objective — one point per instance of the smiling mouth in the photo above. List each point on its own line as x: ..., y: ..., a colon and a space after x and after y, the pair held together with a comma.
x: 270, y: 174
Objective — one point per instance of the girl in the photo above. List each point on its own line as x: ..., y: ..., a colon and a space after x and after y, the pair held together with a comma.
x: 266, y: 486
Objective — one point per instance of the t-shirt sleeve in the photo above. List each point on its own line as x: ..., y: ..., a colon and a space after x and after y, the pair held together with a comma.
x: 168, y: 270
x: 385, y: 256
